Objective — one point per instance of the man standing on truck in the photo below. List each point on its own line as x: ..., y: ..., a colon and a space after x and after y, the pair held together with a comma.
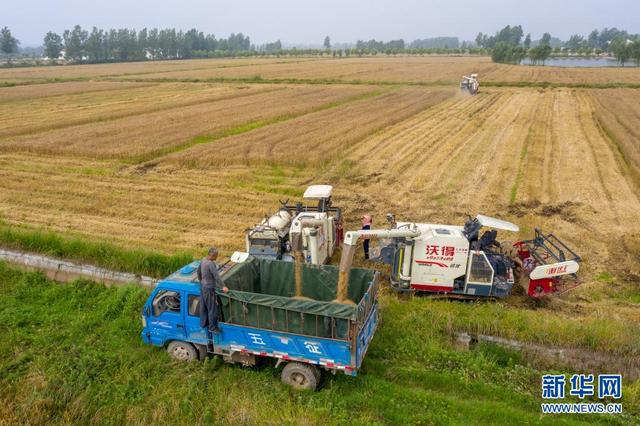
x: 209, y: 279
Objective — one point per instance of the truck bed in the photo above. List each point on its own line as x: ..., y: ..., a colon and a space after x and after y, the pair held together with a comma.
x: 263, y: 315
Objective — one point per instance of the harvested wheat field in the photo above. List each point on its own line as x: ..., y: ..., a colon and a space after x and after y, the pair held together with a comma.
x: 617, y: 112
x: 162, y: 209
x: 407, y: 69
x: 31, y: 92
x: 428, y: 70
x: 320, y: 138
x: 36, y: 75
x: 143, y: 121
x: 537, y: 157
x: 35, y: 115
x: 121, y: 162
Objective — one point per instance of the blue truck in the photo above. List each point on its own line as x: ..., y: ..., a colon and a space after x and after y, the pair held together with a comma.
x: 267, y: 313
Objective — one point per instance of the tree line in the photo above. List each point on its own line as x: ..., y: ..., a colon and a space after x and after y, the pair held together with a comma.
x: 508, y: 45
x: 80, y: 45
x: 8, y: 43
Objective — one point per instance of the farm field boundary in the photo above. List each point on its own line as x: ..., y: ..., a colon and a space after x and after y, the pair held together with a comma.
x: 321, y: 81
x: 260, y: 80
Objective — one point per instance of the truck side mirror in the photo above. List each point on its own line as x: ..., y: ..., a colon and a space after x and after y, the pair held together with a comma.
x: 147, y: 311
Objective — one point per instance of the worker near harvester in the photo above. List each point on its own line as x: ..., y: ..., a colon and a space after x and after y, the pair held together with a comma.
x: 366, y: 225
x: 209, y: 278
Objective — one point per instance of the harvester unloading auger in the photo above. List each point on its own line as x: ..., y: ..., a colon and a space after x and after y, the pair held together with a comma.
x: 457, y: 260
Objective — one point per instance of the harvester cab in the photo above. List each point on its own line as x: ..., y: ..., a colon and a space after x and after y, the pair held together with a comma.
x: 312, y: 230
x: 546, y: 265
x: 470, y: 84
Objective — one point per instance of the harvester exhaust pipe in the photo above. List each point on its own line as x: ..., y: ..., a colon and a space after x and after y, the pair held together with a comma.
x: 297, y: 246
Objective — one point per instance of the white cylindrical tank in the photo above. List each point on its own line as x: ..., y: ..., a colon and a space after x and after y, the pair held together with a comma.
x: 278, y: 221
x: 405, y: 270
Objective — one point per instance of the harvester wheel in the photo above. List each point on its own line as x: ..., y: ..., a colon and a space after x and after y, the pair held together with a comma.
x: 182, y: 351
x: 301, y: 376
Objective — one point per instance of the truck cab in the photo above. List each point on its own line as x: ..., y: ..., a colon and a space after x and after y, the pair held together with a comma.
x: 172, y: 313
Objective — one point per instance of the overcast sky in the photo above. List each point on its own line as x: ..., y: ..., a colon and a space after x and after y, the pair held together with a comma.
x: 299, y: 21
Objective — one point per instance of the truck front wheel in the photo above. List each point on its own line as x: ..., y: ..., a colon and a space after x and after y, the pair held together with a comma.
x: 301, y: 376
x: 182, y: 351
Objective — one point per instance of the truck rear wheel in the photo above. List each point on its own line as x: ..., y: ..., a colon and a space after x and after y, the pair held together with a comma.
x: 301, y: 376
x: 182, y: 351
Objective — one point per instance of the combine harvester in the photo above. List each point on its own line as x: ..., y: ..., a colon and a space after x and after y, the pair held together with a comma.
x: 310, y: 231
x: 457, y: 261
x: 470, y: 84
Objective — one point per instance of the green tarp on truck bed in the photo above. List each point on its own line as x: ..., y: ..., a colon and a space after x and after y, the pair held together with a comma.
x: 262, y: 294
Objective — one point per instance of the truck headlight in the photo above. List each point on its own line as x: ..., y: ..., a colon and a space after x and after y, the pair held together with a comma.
x: 144, y: 322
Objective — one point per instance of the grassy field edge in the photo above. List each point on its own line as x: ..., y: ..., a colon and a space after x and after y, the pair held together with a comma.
x: 98, y: 253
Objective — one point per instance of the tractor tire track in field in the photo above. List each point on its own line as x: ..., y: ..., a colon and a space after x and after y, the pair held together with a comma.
x: 398, y: 150
x: 531, y: 182
x: 478, y: 184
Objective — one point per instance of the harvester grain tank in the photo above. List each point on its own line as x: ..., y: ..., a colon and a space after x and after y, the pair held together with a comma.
x: 470, y: 84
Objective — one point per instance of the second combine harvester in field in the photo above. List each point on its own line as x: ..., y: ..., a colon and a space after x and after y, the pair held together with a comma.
x: 459, y: 261
x: 470, y: 84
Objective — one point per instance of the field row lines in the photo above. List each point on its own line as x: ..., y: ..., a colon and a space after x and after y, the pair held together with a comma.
x: 140, y: 112
x: 154, y: 157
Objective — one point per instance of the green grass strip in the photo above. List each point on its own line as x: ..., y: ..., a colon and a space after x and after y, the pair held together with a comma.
x: 523, y: 155
x: 329, y: 81
x: 257, y: 79
x: 98, y: 253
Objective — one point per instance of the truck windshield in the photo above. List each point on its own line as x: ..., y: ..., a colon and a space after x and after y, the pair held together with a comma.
x: 166, y: 301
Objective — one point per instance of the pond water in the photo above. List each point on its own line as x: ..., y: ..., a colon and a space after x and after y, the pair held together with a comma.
x: 581, y: 62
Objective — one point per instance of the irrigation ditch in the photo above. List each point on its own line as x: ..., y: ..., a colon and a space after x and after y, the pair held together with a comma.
x: 64, y: 271
x: 547, y: 357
